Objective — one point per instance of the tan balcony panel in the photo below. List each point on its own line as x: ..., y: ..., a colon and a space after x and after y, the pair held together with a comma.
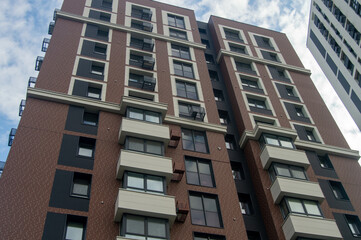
x: 295, y: 188
x: 141, y: 129
x: 310, y: 227
x: 145, y: 163
x: 283, y: 155
x: 145, y: 204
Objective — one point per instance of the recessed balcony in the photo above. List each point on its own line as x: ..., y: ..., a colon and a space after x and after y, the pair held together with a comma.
x: 145, y: 163
x: 310, y: 227
x: 145, y: 204
x: 283, y: 155
x: 145, y: 130
x: 297, y: 188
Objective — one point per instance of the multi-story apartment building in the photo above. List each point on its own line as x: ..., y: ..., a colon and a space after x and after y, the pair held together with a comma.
x: 334, y: 35
x: 146, y: 124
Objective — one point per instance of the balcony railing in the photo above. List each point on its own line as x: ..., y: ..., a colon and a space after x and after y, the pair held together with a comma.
x: 51, y: 28
x: 22, y: 107
x: 44, y: 46
x: 38, y: 63
x: 11, y: 136
x: 31, y: 82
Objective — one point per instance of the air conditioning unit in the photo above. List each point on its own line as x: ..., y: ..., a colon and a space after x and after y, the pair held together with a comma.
x: 148, y: 62
x: 147, y: 26
x: 148, y: 44
x: 197, y: 113
x: 149, y: 83
x: 147, y: 14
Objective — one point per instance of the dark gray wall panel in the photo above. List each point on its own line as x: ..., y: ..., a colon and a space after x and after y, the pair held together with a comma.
x: 331, y: 64
x: 88, y: 50
x: 74, y: 121
x: 318, y: 44
x: 84, y: 70
x: 98, y: 4
x: 293, y: 115
x: 332, y: 201
x: 356, y: 100
x: 54, y: 228
x: 80, y: 88
x: 283, y: 92
x: 320, y: 171
x: 343, y: 82
x: 343, y: 227
x: 92, y: 32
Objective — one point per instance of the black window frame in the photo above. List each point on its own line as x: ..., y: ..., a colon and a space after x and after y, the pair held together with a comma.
x: 145, y: 177
x: 91, y: 115
x: 193, y: 141
x: 175, y: 23
x: 181, y: 72
x: 325, y: 162
x: 145, y: 142
x: 223, y: 117
x: 78, y: 220
x: 180, y: 51
x: 198, y: 172
x: 245, y: 204
x: 230, y: 142
x: 338, y: 191
x: 146, y: 219
x: 250, y: 83
x: 286, y: 210
x: 204, y: 196
x: 218, y: 95
x: 233, y: 35
x: 94, y: 89
x: 257, y: 103
x: 237, y: 49
x: 144, y: 113
x: 355, y: 222
x: 187, y: 93
x: 86, y: 143
x: 279, y: 139
x: 274, y: 173
x: 84, y: 179
x: 175, y: 33
x: 213, y: 75
x: 237, y: 171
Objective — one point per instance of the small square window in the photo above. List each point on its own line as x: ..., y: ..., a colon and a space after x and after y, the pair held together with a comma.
x: 180, y: 51
x: 233, y: 35
x: 206, y: 42
x: 194, y: 140
x: 186, y: 90
x: 209, y: 58
x: 213, y: 76
x: 257, y: 103
x: 237, y: 171
x: 299, y: 111
x: 310, y: 136
x: 94, y: 92
x: 81, y: 185
x: 218, y: 95
x: 75, y: 227
x: 90, y: 118
x: 100, y: 48
x: 325, y: 162
x: 223, y: 117
x: 97, y: 68
x: 176, y: 21
x: 178, y: 34
x: 245, y: 204
x: 86, y: 147
x: 338, y: 190
x: 290, y: 91
x: 183, y: 69
x: 230, y: 143
x: 354, y: 224
x: 144, y: 182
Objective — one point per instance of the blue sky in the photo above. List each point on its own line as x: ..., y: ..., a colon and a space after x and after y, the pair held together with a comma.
x: 24, y: 24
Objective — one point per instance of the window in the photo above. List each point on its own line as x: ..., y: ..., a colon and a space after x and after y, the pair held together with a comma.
x: 176, y: 21
x: 180, y: 51
x: 86, y: 147
x: 278, y: 73
x: 142, y: 43
x: 203, y: 236
x: 75, y: 228
x: 223, y: 117
x: 202, y: 30
x: 104, y: 17
x: 290, y: 92
x: 145, y: 26
x: 206, y: 42
x: 325, y: 161
x: 264, y: 42
x: 310, y: 136
x: 191, y: 111
x: 144, y: 145
x: 209, y: 59
x: 245, y: 204
x: 187, y: 90
x: 143, y: 115
x: 249, y: 83
x: 218, y: 95
x: 107, y: 3
x: 276, y: 141
x: 178, y: 34
x: 230, y: 143
x: 338, y: 190
x: 256, y: 103
x: 141, y: 13
x: 102, y: 32
x: 183, y: 69
x: 253, y: 235
x: 194, y: 140
x: 237, y: 49
x: 213, y: 75
x: 300, y: 206
x: 245, y: 67
x: 94, y: 92
x: 199, y: 172
x: 139, y: 227
x: 284, y: 170
x: 144, y: 183
x: 142, y: 81
x: 81, y: 185
x: 299, y: 111
x: 90, y: 119
x: 205, y: 210
x: 233, y: 35
x: 100, y: 48
x: 237, y: 171
x: 354, y: 224
x: 270, y: 56
x: 97, y: 68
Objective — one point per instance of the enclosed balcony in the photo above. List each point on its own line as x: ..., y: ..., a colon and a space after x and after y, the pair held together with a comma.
x: 31, y: 82
x: 297, y: 188
x: 51, y: 28
x: 44, y: 46
x: 11, y: 136
x: 145, y: 163
x: 144, y: 130
x: 22, y: 107
x: 283, y: 155
x: 310, y: 227
x: 145, y: 204
x: 38, y: 63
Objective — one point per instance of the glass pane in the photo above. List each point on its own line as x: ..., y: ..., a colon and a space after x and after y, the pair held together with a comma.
x: 312, y: 208
x: 200, y: 147
x: 282, y: 171
x: 295, y: 205
x: 152, y: 117
x: 154, y: 147
x: 204, y: 168
x: 155, y: 183
x: 199, y: 137
x: 136, y: 144
x: 136, y: 114
x: 156, y: 228
x: 135, y: 225
x: 80, y: 189
x: 192, y: 178
x: 286, y: 143
x: 86, y: 152
x: 74, y: 231
x: 188, y: 145
x: 210, y: 204
x: 135, y: 180
x: 212, y: 219
x: 206, y: 180
x: 271, y: 140
x: 198, y: 217
x: 298, y: 173
x: 196, y: 202
x: 191, y: 166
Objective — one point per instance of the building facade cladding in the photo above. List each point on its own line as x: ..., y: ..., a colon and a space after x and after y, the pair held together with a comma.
x: 104, y: 149
x: 334, y: 40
